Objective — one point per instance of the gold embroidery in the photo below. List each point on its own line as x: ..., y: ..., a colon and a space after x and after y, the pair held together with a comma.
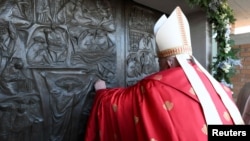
x: 115, y: 136
x: 181, y: 26
x: 142, y: 89
x: 175, y: 51
x: 136, y: 119
x: 168, y: 105
x: 114, y: 107
x: 100, y: 133
x: 192, y: 91
x: 158, y: 77
x: 226, y: 116
x: 204, y: 129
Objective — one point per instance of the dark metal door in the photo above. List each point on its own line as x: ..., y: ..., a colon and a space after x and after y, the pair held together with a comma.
x: 51, y: 53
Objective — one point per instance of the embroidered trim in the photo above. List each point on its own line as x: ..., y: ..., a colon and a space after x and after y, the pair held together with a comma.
x: 181, y: 26
x: 175, y: 51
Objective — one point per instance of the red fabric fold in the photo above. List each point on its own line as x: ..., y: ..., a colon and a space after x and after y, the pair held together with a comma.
x: 161, y: 107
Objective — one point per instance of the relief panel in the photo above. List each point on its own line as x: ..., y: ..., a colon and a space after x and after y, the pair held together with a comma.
x: 52, y: 52
x: 141, y: 57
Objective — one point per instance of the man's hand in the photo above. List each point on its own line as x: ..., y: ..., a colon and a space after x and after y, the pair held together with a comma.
x: 100, y: 84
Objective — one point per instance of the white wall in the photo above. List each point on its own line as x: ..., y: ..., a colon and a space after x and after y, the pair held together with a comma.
x: 241, y: 39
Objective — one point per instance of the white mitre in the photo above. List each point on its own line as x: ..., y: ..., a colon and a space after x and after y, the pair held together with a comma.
x: 159, y: 23
x: 173, y: 37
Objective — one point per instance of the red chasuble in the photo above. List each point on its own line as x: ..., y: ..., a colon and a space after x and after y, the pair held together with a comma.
x: 161, y: 107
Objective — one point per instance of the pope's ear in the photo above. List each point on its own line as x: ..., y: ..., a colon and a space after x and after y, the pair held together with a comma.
x: 169, y: 62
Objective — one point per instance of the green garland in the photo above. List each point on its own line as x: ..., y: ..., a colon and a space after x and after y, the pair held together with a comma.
x: 220, y: 16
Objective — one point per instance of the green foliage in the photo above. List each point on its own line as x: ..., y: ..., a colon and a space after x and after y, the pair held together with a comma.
x: 220, y: 16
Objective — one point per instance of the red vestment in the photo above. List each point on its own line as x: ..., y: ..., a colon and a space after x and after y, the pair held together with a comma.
x: 161, y: 107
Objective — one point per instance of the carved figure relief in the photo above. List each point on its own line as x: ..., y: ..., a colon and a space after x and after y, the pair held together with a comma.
x: 66, y: 92
x: 52, y: 52
x: 141, y: 58
x: 49, y: 46
x: 20, y: 117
